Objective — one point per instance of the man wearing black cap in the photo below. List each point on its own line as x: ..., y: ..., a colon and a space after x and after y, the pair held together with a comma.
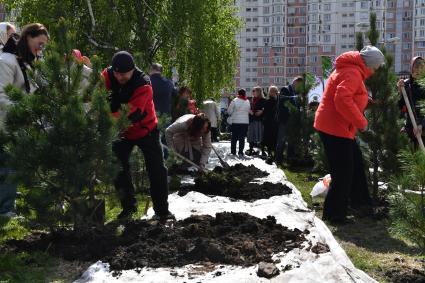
x: 129, y: 85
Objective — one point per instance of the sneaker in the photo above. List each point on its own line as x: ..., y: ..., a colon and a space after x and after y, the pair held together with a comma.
x: 240, y: 154
x: 127, y: 213
x: 164, y: 218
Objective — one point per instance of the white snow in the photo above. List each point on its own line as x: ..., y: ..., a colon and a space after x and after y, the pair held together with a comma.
x: 308, y: 267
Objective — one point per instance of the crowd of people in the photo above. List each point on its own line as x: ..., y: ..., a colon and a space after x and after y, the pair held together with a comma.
x: 192, y: 129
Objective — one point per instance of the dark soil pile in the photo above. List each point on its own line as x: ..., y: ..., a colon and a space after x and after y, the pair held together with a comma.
x: 228, y: 238
x: 234, y: 182
x: 406, y: 276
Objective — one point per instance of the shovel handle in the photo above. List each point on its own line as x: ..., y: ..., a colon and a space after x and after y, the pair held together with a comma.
x: 412, y: 118
x: 185, y: 159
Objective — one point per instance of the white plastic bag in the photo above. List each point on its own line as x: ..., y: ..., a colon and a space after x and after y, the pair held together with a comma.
x: 321, y: 187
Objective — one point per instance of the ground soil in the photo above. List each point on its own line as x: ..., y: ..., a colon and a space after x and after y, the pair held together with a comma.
x: 235, y: 182
x: 228, y: 238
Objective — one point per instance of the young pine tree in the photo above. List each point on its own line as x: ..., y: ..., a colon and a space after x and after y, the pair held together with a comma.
x: 300, y: 125
x: 407, y: 203
x: 383, y: 137
x: 60, y: 150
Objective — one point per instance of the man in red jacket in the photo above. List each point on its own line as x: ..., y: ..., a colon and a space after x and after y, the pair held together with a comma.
x: 129, y: 85
x: 339, y: 116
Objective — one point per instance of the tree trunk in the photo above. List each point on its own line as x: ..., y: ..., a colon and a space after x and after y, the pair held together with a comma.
x: 375, y: 174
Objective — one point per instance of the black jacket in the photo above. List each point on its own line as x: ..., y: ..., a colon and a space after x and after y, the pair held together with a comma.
x: 163, y: 92
x: 416, y: 95
x: 287, y: 95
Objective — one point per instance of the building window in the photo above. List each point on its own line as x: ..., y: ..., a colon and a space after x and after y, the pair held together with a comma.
x: 327, y: 48
x: 326, y: 38
x: 364, y: 5
x: 266, y: 10
x: 266, y: 20
x: 327, y: 7
x: 265, y: 60
x: 266, y: 30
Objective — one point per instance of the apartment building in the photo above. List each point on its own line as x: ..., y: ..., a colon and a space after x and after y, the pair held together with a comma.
x: 284, y: 38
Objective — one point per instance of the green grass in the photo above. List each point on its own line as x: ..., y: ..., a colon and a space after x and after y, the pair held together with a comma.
x: 369, y: 243
x: 304, y: 181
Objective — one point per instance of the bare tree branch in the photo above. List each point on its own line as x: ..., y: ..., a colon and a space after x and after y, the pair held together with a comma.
x: 93, y: 21
x: 99, y: 45
x: 93, y: 26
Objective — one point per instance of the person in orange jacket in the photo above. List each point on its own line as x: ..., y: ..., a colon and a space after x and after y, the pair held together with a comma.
x: 339, y: 116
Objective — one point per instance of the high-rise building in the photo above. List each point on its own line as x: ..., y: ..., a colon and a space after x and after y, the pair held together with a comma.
x: 282, y: 39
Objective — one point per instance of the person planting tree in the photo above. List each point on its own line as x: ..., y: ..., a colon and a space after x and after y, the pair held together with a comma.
x: 339, y: 116
x: 416, y: 95
x: 130, y: 86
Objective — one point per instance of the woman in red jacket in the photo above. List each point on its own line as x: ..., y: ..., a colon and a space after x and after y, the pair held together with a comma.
x: 339, y: 116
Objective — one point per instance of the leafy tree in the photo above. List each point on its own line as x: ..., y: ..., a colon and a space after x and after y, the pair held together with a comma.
x: 195, y: 36
x: 60, y: 149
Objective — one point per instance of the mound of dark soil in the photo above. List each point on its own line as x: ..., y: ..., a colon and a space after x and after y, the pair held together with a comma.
x: 234, y: 182
x: 228, y: 238
x: 406, y: 276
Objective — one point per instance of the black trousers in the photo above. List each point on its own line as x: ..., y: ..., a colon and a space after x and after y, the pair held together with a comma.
x: 349, y: 184
x: 239, y: 132
x: 157, y: 172
x: 214, y: 134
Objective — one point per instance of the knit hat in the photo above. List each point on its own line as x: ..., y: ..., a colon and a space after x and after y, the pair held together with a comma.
x: 372, y: 57
x: 122, y: 62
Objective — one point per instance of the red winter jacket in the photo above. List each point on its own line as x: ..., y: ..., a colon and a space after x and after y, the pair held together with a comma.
x: 140, y: 102
x: 345, y: 98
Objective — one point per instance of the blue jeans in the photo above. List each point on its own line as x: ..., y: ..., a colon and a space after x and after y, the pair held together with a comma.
x: 239, y: 132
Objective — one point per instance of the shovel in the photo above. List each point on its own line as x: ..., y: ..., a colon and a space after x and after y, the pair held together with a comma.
x: 200, y: 169
x: 222, y: 162
x: 412, y: 118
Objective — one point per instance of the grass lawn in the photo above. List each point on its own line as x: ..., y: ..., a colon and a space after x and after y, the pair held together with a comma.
x: 40, y: 267
x: 369, y: 242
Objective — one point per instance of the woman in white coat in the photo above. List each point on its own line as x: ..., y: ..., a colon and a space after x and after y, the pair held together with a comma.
x: 239, y: 117
x: 15, y: 60
x: 210, y: 108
